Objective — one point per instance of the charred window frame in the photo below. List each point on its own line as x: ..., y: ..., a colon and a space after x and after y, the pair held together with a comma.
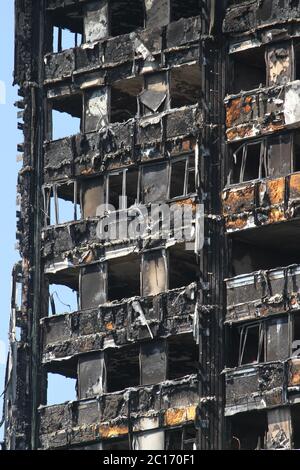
x: 252, y: 343
x: 272, y: 156
x: 181, y: 438
x: 182, y: 174
x: 54, y: 197
x: 71, y: 106
x: 185, y: 84
x: 127, y: 189
x: 245, y: 167
x: 124, y: 99
x: 248, y: 70
x: 61, y: 290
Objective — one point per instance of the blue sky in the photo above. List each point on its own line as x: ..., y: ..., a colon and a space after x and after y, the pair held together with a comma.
x: 60, y: 388
x: 9, y: 139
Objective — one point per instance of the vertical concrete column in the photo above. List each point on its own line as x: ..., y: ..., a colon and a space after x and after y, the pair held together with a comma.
x: 96, y: 21
x: 157, y: 13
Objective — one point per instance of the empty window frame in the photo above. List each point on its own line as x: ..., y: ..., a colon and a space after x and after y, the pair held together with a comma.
x: 189, y: 269
x: 185, y: 85
x: 272, y: 156
x: 66, y: 28
x: 64, y: 116
x: 65, y: 39
x: 168, y: 180
x: 62, y: 299
x: 252, y: 344
x: 123, y: 277
x: 248, y: 431
x: 183, y: 357
x: 124, y: 99
x: 248, y: 70
x: 153, y: 362
x: 249, y: 162
x: 154, y: 183
x: 183, y: 438
x: 122, y: 189
x: 123, y: 369
x: 61, y: 203
x: 182, y: 177
x: 60, y: 389
x: 126, y: 16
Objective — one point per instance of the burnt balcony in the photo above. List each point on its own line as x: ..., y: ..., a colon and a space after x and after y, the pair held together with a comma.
x: 119, y: 414
x: 118, y: 324
x: 136, y: 49
x: 262, y: 111
x: 261, y: 203
x: 120, y: 145
x: 245, y: 16
x: 263, y: 293
x: 262, y: 386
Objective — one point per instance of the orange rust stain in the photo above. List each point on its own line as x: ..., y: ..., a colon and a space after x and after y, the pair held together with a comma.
x: 107, y: 431
x: 276, y: 190
x: 295, y: 184
x: 186, y: 202
x: 175, y: 416
x: 237, y: 224
x: 109, y: 326
x: 294, y: 372
x: 240, y: 132
x: 238, y: 200
x: 275, y: 215
x: 236, y: 107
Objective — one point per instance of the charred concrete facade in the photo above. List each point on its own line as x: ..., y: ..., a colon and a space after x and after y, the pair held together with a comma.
x: 142, y: 80
x: 261, y: 216
x: 192, y: 105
